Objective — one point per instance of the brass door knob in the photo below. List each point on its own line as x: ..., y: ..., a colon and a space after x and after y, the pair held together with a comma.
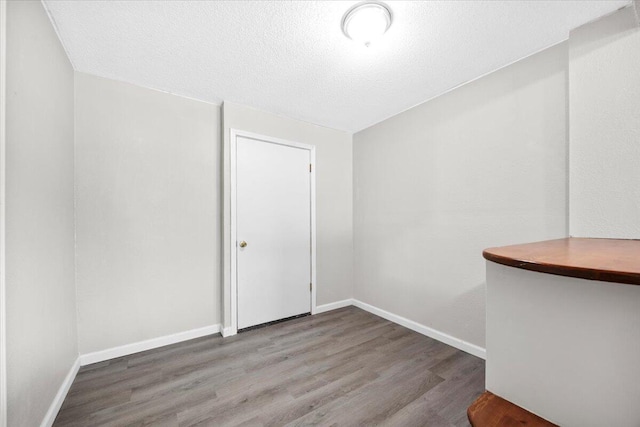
x: 243, y: 244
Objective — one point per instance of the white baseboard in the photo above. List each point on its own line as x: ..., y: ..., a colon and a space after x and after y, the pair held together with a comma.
x: 424, y: 330
x: 52, y: 413
x: 229, y: 332
x: 333, y: 306
x: 136, y: 347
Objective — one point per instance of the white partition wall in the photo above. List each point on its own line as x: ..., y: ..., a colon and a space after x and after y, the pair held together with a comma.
x: 564, y: 348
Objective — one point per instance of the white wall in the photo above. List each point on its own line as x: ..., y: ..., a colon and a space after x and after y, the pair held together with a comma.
x: 148, y: 213
x: 604, y: 73
x: 483, y: 165
x: 564, y: 348
x: 334, y: 206
x: 41, y: 313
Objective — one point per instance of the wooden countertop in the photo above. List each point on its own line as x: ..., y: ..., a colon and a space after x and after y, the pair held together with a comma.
x: 490, y: 410
x: 607, y: 260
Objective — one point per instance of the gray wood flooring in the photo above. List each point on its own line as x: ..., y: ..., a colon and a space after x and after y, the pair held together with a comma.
x: 346, y: 367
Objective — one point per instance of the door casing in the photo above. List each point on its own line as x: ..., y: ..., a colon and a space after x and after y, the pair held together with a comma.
x: 234, y: 134
x: 3, y: 299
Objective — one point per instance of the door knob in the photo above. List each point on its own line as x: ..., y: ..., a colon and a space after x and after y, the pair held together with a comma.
x: 243, y: 244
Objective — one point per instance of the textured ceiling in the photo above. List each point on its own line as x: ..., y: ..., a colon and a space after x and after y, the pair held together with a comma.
x: 291, y: 58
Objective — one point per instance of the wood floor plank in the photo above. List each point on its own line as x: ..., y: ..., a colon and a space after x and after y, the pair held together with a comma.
x: 317, y: 398
x: 344, y: 367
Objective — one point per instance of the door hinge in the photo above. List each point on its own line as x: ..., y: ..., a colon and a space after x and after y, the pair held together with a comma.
x: 310, y: 287
x: 309, y: 167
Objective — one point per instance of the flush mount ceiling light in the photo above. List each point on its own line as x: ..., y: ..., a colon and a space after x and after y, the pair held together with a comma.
x: 366, y: 21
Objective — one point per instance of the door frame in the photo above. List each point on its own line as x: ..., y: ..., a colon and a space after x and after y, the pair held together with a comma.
x: 3, y: 293
x: 234, y: 134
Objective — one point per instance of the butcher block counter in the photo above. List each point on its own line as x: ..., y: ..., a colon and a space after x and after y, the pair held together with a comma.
x: 608, y: 260
x: 563, y: 329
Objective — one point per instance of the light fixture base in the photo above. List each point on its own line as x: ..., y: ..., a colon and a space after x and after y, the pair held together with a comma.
x: 366, y: 21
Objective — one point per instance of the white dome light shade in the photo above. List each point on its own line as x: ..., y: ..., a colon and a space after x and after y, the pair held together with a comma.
x: 366, y: 21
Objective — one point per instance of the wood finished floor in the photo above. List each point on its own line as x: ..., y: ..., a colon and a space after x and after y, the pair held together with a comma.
x: 346, y: 367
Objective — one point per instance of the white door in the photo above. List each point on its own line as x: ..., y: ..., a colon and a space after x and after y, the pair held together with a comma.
x: 273, y: 229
